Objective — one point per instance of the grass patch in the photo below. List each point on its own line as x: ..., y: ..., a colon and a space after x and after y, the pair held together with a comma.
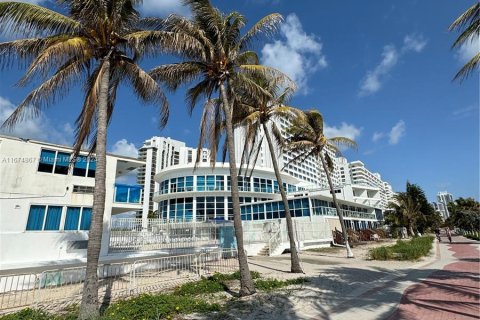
x: 473, y: 235
x: 212, y: 284
x: 184, y: 299
x: 274, y: 284
x: 413, y: 249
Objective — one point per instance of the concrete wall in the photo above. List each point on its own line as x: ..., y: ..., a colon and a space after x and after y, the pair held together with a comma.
x: 21, y: 185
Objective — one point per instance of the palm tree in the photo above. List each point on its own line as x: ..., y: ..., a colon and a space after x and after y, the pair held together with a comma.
x: 406, y: 210
x: 469, y: 22
x: 97, y: 44
x: 224, y: 65
x: 257, y: 116
x: 305, y: 139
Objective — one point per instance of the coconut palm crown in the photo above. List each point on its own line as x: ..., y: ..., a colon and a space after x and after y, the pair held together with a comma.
x: 305, y: 138
x: 225, y: 64
x: 95, y: 44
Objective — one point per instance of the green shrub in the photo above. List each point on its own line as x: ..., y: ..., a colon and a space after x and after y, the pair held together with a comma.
x: 273, y: 284
x: 381, y: 253
x: 27, y: 314
x: 159, y: 306
x: 413, y: 249
x: 202, y: 286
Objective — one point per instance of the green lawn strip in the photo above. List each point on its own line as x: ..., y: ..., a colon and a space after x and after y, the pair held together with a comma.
x: 413, y: 249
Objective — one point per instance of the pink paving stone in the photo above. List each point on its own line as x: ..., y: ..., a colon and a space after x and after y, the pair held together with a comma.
x: 450, y: 293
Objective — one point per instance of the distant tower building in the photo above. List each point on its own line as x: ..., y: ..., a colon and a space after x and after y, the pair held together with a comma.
x: 160, y: 153
x: 443, y: 199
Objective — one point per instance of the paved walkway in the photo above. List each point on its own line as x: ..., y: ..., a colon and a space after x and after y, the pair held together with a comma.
x: 446, y: 287
x: 450, y: 293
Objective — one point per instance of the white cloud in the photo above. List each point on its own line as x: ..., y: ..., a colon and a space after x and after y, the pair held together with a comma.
x: 414, y: 43
x: 373, y: 81
x: 470, y: 48
x: 377, y: 136
x: 397, y: 132
x: 40, y: 128
x: 164, y: 7
x: 298, y: 54
x: 124, y: 148
x: 465, y: 112
x: 345, y: 130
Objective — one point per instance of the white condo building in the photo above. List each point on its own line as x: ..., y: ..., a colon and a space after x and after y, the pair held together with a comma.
x: 443, y: 199
x: 46, y: 206
x: 160, y: 153
x: 359, y: 183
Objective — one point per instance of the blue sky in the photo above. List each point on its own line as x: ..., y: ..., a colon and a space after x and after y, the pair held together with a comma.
x: 380, y: 73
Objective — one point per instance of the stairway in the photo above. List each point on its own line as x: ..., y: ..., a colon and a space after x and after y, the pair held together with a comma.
x: 265, y: 251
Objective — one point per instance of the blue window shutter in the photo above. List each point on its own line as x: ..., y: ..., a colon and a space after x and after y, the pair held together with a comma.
x: 86, y: 219
x: 54, y: 215
x: 72, y: 218
x: 35, y: 218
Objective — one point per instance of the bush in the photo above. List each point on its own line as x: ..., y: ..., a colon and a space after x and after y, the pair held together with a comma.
x: 28, y: 314
x: 473, y: 235
x: 199, y: 287
x: 381, y: 253
x: 273, y: 284
x: 160, y: 306
x: 404, y: 250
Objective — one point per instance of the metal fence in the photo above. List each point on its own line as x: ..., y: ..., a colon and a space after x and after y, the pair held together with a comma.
x: 62, y: 287
x: 127, y: 235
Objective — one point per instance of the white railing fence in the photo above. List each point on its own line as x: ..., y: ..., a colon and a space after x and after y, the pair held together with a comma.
x: 63, y: 287
x: 128, y: 235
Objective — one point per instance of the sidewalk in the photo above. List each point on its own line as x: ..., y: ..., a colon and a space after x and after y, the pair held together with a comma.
x: 450, y: 293
x: 446, y: 288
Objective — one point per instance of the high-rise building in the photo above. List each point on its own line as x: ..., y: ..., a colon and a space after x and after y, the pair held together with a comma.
x: 365, y: 185
x: 443, y: 199
x: 160, y: 153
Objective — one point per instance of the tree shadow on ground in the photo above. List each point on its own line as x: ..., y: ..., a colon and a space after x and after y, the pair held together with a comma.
x: 347, y: 289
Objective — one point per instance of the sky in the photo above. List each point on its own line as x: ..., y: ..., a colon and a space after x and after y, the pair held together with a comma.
x: 379, y: 71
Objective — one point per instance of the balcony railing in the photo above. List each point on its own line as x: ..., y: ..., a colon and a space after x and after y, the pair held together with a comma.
x: 128, y: 194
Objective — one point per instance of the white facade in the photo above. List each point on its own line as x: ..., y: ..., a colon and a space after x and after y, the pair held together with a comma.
x: 353, y: 180
x: 160, y: 153
x: 443, y: 199
x: 361, y: 176
x: 45, y: 206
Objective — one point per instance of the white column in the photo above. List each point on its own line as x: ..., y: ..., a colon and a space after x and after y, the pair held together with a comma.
x: 146, y: 188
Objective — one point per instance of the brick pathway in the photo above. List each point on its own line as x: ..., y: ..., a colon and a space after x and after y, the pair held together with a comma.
x: 450, y: 293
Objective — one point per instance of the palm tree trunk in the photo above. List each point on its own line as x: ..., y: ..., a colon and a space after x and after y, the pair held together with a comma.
x: 339, y: 212
x: 295, y: 261
x: 247, y: 286
x: 89, y: 305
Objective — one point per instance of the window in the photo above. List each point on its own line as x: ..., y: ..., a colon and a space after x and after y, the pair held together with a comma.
x: 92, y: 166
x: 54, y: 215
x: 83, y: 189
x: 80, y: 167
x: 72, y: 218
x: 62, y: 162
x: 35, y: 218
x: 86, y: 219
x: 38, y: 220
x: 47, y: 160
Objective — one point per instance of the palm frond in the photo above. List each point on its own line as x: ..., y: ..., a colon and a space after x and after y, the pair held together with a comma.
x: 25, y: 19
x: 173, y: 75
x: 47, y: 93
x: 64, y: 48
x: 343, y: 142
x: 267, y: 26
x: 472, y: 14
x: 471, y: 66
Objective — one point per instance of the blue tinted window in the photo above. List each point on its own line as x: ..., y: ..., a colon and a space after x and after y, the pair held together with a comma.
x: 86, y: 219
x: 72, y: 219
x: 54, y: 215
x: 35, y: 218
x: 47, y: 159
